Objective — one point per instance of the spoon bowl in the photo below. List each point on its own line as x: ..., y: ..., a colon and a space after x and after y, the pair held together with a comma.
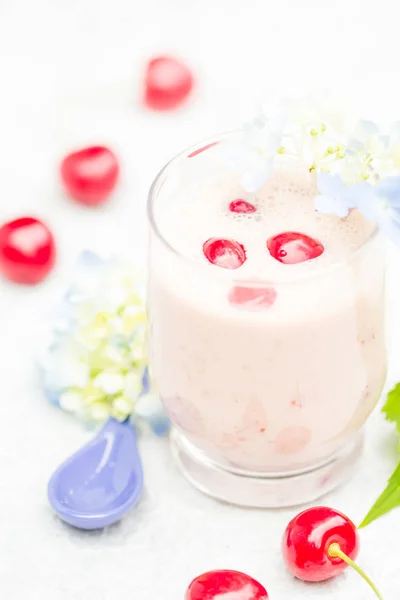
x: 98, y: 484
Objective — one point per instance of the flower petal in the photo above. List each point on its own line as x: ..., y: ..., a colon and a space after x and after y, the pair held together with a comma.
x: 121, y: 408
x: 330, y: 206
x: 71, y: 401
x: 329, y: 185
x: 365, y: 130
x: 99, y: 411
x: 109, y: 383
x: 390, y: 228
x: 368, y: 206
x: 354, y: 195
x: 133, y: 385
x: 389, y: 188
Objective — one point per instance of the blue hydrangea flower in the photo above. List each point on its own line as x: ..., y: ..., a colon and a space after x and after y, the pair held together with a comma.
x: 335, y: 197
x: 95, y: 364
x: 382, y: 206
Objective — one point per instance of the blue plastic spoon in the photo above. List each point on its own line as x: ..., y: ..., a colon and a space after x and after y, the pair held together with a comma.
x: 98, y: 484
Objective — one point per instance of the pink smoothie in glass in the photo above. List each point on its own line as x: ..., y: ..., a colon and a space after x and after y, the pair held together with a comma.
x: 270, y: 367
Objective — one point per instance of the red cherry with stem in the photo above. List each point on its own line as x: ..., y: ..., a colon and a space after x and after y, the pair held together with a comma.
x: 225, y: 585
x: 27, y: 250
x: 252, y: 298
x: 227, y: 254
x: 168, y: 83
x: 319, y: 543
x: 241, y: 206
x: 292, y: 247
x: 90, y: 174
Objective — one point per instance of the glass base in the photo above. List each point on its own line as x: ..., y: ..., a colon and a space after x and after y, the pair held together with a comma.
x: 261, y: 491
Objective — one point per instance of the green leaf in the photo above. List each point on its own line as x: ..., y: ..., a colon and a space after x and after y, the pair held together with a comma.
x: 391, y: 409
x: 389, y: 499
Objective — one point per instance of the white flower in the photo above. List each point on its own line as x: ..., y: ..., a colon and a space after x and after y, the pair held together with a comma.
x: 99, y: 412
x: 369, y: 154
x: 315, y: 132
x: 367, y: 140
x: 97, y: 367
x: 253, y: 155
x: 109, y: 382
x: 71, y: 401
x: 122, y: 407
x: 352, y: 169
x: 114, y: 354
x: 133, y: 385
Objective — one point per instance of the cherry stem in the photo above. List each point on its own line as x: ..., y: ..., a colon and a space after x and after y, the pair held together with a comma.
x: 335, y: 551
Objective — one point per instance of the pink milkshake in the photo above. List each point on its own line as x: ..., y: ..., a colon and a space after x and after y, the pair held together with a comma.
x: 267, y: 364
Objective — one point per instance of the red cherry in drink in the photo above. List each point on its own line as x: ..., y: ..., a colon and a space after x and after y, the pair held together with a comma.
x: 168, y: 83
x: 225, y: 585
x: 227, y: 254
x: 27, y: 250
x: 319, y: 543
x: 241, y: 206
x: 292, y: 247
x: 252, y: 298
x: 90, y: 174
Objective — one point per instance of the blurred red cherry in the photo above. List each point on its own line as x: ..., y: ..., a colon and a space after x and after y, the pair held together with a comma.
x: 168, y: 83
x: 252, y: 298
x: 90, y: 174
x: 225, y: 585
x: 27, y: 250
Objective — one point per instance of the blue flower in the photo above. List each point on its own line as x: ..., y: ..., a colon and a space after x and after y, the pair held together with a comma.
x: 335, y: 197
x: 382, y: 205
x: 150, y: 409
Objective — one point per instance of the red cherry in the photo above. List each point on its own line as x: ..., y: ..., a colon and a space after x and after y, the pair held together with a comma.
x: 319, y: 543
x: 241, y: 206
x: 27, y: 250
x: 196, y: 152
x: 292, y: 247
x: 225, y: 585
x: 252, y: 298
x: 307, y: 539
x: 90, y: 175
x: 168, y: 83
x: 227, y: 254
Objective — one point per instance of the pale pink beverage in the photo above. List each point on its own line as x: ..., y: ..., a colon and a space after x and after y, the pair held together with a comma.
x: 270, y: 370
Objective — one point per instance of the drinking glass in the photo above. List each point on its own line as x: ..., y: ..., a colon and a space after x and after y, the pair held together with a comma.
x: 267, y: 406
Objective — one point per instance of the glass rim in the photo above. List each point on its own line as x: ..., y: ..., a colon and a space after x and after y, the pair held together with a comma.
x: 221, y: 273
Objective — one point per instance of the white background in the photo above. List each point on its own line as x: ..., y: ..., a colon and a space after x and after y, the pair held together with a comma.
x: 70, y: 73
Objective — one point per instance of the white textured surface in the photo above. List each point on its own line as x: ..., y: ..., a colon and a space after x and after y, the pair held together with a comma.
x: 69, y: 72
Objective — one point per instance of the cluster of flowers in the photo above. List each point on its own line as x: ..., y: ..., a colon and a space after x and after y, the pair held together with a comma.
x: 95, y: 364
x: 354, y: 164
